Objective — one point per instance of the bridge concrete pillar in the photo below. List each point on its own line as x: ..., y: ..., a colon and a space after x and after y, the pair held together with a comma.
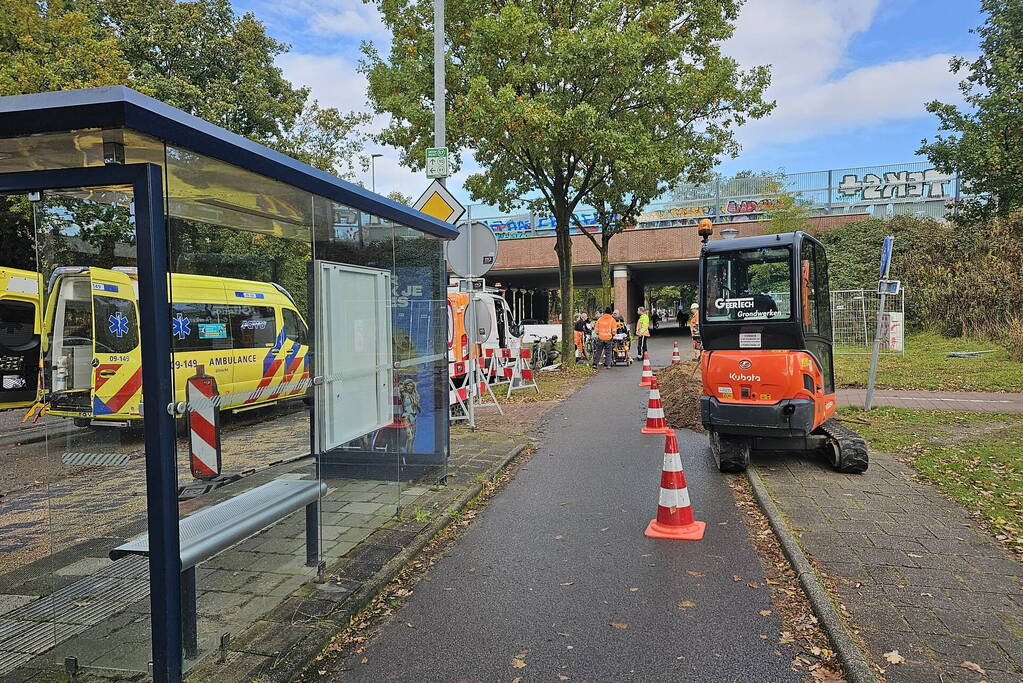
x: 623, y: 293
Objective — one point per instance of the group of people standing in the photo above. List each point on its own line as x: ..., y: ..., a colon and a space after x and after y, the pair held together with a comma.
x: 604, y: 328
x: 611, y: 322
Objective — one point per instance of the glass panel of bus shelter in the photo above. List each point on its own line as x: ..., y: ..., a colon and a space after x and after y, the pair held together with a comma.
x: 421, y: 361
x: 79, y: 484
x: 358, y: 427
x: 240, y: 257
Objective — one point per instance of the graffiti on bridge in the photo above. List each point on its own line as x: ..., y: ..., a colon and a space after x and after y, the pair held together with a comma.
x: 929, y: 184
x: 735, y: 210
x: 511, y: 227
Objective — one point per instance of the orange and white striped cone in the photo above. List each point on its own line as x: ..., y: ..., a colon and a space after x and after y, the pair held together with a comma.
x: 655, y: 423
x: 648, y: 374
x: 676, y: 358
x: 674, y: 512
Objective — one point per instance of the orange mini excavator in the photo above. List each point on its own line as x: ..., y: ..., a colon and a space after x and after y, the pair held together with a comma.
x: 768, y: 377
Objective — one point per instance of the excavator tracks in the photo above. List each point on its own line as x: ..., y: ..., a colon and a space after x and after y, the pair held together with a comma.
x: 846, y: 450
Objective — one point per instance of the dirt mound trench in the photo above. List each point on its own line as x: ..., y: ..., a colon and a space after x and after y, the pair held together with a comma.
x: 681, y: 387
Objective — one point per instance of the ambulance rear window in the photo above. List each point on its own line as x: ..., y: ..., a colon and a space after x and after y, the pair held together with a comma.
x: 117, y: 329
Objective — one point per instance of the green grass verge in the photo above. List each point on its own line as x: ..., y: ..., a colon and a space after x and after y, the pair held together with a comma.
x: 926, y: 365
x: 971, y: 457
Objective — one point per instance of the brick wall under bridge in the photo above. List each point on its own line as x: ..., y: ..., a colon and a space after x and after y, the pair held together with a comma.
x: 641, y: 257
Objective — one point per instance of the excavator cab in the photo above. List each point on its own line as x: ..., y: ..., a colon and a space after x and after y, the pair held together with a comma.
x: 768, y: 374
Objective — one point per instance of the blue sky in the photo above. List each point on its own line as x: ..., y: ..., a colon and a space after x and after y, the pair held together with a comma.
x: 850, y: 76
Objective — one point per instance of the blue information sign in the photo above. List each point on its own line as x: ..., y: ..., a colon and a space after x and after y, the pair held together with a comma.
x: 886, y: 255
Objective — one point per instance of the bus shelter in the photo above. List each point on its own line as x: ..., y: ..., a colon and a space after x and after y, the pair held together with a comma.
x: 231, y: 368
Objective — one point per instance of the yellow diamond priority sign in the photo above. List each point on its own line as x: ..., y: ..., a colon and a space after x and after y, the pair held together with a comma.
x: 439, y: 203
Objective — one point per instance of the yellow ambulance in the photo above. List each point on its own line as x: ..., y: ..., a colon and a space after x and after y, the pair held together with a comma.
x: 20, y: 344
x: 248, y: 335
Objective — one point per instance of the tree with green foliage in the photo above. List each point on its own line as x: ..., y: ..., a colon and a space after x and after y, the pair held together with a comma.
x: 51, y: 47
x: 400, y: 197
x: 198, y: 56
x: 985, y: 141
x: 625, y: 188
x: 544, y: 94
x: 202, y: 58
x: 787, y: 213
x: 54, y: 46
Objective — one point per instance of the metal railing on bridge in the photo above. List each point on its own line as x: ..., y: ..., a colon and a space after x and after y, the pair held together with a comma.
x: 915, y: 189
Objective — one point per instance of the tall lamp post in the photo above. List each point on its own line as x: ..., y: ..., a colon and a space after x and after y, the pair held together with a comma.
x: 373, y: 170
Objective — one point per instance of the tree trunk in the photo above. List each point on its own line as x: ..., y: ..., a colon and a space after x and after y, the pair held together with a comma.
x: 563, y: 247
x: 606, y: 285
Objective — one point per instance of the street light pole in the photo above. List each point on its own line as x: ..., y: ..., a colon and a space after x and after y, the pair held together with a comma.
x: 373, y: 170
x: 439, y: 138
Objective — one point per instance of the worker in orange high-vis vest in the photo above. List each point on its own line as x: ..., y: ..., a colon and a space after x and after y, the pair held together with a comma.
x: 605, y: 329
x: 694, y: 330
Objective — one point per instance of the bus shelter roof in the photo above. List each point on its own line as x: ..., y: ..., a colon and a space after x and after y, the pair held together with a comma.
x: 122, y: 107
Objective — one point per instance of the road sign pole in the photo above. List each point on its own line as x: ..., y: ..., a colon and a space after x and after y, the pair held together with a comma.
x: 886, y: 264
x: 471, y: 313
x: 439, y: 137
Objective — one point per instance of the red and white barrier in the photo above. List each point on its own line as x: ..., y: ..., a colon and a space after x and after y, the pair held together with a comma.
x: 522, y: 376
x: 203, y: 417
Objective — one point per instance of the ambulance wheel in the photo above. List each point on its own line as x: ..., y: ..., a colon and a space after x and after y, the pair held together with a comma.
x: 82, y: 421
x: 730, y: 452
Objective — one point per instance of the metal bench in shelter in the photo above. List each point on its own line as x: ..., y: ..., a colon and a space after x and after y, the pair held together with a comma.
x: 218, y: 527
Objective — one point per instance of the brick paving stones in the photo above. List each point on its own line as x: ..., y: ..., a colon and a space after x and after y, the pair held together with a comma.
x: 261, y: 581
x: 911, y: 569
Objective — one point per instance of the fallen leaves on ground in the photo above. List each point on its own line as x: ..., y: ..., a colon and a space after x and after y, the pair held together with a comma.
x: 766, y: 612
x: 692, y: 573
x: 686, y: 604
x: 812, y: 650
x: 894, y: 657
x: 621, y: 626
x: 519, y: 660
x: 973, y: 667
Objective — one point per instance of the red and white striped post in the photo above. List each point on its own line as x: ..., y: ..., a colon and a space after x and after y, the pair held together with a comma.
x: 203, y: 417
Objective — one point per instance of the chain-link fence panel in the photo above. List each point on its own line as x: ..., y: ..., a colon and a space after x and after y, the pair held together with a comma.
x: 854, y: 321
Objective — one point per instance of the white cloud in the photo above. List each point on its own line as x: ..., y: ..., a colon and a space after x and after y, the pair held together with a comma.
x: 804, y: 40
x: 347, y: 18
x: 864, y: 98
x: 350, y: 18
x: 806, y: 43
x: 335, y: 83
x: 333, y: 80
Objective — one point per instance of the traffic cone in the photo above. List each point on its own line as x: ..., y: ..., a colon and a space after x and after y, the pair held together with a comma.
x: 648, y: 374
x: 674, y: 512
x: 655, y: 423
x: 675, y: 357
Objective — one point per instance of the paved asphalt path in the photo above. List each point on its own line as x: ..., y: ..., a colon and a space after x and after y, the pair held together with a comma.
x: 559, y: 557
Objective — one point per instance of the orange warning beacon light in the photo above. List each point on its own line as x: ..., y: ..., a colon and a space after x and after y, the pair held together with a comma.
x: 705, y: 228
